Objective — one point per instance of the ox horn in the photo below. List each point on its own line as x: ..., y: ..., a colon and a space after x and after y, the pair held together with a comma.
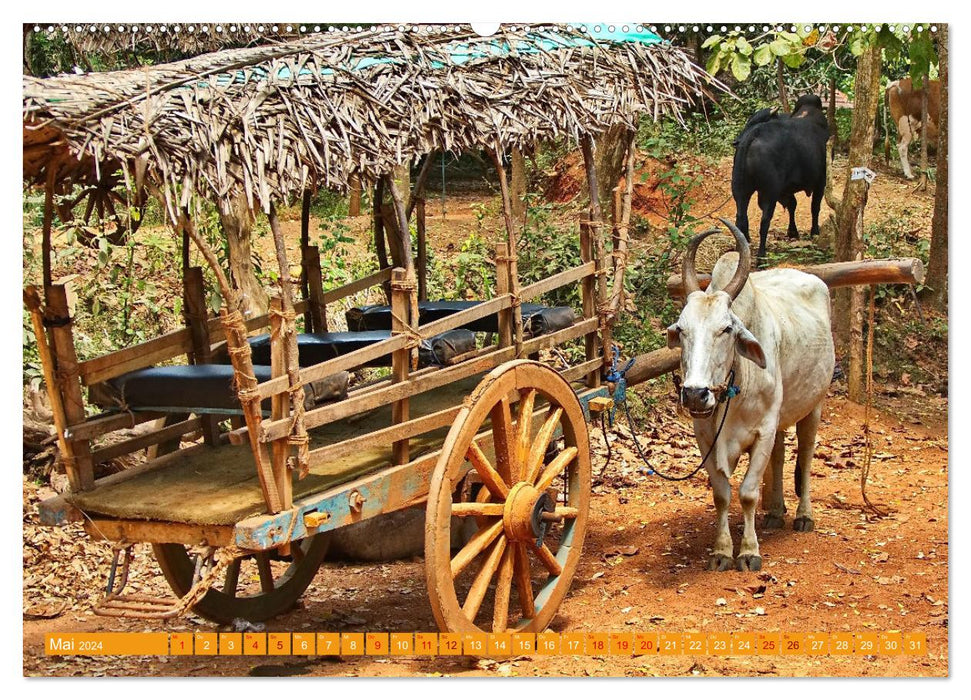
x: 689, y: 276
x: 734, y: 287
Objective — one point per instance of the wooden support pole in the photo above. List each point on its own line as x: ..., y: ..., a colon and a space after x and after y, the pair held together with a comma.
x: 280, y: 403
x: 196, y: 322
x: 422, y: 250
x: 316, y: 316
x: 503, y: 283
x: 298, y: 434
x: 354, y: 200
x: 418, y: 190
x: 402, y: 284
x: 45, y: 249
x: 304, y: 263
x: 621, y: 229
x: 66, y: 446
x: 588, y: 298
x: 67, y: 383
x: 380, y: 248
x: 513, y: 258
x: 404, y: 240
x: 599, y: 254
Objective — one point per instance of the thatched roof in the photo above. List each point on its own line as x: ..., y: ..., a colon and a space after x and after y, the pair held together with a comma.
x: 275, y: 120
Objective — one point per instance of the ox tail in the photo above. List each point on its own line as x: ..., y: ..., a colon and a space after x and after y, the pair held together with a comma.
x: 798, y: 478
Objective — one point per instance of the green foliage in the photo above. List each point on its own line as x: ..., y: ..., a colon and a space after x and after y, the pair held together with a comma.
x: 547, y: 247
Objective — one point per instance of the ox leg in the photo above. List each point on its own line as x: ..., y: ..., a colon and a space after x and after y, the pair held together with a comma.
x: 790, y: 204
x: 748, y: 558
x: 903, y: 145
x: 776, y: 506
x: 721, y: 553
x: 806, y: 434
x: 767, y: 205
x: 742, y: 200
x: 817, y: 201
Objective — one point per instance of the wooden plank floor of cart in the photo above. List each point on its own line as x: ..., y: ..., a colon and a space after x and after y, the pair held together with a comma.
x: 219, y: 486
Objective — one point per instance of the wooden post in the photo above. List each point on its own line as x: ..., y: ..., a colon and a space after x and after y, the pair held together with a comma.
x: 422, y: 250
x: 517, y: 312
x: 354, y: 201
x: 622, y: 229
x: 380, y: 249
x: 589, y: 301
x: 401, y: 288
x: 305, y: 273
x: 596, y: 236
x: 195, y: 315
x: 280, y: 403
x: 48, y: 226
x: 298, y: 432
x: 404, y: 240
x: 316, y: 316
x: 33, y: 303
x: 502, y: 287
x: 67, y: 381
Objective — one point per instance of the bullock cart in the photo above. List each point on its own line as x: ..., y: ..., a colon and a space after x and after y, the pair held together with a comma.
x: 261, y: 446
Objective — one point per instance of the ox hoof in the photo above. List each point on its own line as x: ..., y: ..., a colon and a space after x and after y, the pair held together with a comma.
x: 792, y: 235
x: 773, y: 522
x: 803, y: 524
x: 748, y: 562
x: 719, y: 562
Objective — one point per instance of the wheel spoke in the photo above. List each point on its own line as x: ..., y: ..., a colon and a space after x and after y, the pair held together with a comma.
x: 266, y: 571
x: 480, y: 585
x: 547, y: 558
x: 502, y: 439
x: 500, y: 610
x: 540, y: 445
x: 232, y: 577
x: 474, y: 509
x: 490, y: 477
x: 296, y: 552
x: 523, y: 427
x: 524, y: 583
x: 557, y: 465
x: 474, y: 547
x: 566, y: 512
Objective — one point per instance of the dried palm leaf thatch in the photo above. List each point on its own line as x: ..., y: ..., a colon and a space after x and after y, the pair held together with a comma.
x: 273, y: 121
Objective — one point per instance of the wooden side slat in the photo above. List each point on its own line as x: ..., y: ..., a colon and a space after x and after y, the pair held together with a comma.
x: 457, y: 320
x: 325, y: 414
x: 102, y: 425
x: 139, y: 356
x: 372, y: 280
x: 143, y: 441
x: 560, y: 279
x: 158, y: 532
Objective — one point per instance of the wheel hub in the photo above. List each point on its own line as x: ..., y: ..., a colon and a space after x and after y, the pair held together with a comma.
x: 522, y: 517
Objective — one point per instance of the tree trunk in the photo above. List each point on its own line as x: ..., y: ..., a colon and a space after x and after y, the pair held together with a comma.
x: 831, y: 114
x: 609, y: 156
x: 935, y: 290
x: 781, y: 79
x: 925, y: 83
x: 517, y: 186
x: 848, y: 236
x: 354, y: 201
x: 237, y: 225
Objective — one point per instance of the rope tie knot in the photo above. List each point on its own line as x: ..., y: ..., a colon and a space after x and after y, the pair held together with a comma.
x: 414, y: 337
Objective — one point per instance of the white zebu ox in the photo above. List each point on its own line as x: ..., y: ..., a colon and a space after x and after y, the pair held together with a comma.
x: 773, y: 329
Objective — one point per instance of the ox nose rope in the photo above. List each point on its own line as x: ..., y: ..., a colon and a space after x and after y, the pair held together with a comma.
x: 731, y: 391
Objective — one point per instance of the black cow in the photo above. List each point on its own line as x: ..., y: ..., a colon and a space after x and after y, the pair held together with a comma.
x: 778, y: 155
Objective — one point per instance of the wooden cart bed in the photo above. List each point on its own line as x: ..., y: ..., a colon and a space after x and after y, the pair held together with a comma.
x: 219, y: 486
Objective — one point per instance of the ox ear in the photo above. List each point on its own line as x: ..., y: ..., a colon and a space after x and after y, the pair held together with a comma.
x: 674, y: 336
x: 749, y: 348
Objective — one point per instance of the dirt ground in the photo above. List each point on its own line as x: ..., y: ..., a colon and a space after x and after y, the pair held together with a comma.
x: 643, y: 560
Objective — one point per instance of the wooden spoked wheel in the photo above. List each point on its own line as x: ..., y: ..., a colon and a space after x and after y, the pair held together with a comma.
x: 255, y: 587
x: 530, y: 512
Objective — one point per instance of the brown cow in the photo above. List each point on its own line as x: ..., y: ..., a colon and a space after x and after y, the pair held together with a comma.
x: 905, y: 106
